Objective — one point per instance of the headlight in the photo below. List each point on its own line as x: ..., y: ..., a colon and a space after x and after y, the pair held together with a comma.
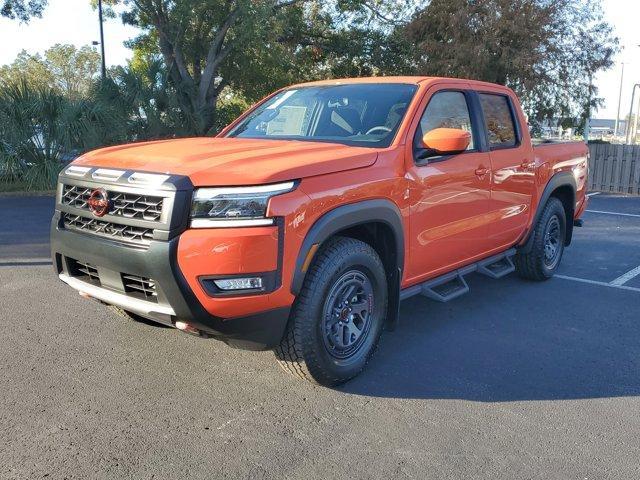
x: 234, y: 206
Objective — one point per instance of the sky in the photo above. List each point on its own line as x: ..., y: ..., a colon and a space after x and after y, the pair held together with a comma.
x: 74, y: 21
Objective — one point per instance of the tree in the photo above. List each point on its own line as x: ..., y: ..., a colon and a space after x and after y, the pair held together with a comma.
x: 548, y: 51
x: 204, y: 45
x: 31, y: 69
x: 250, y: 46
x: 22, y: 10
x: 143, y: 99
x: 65, y: 68
x: 40, y: 128
x: 73, y: 69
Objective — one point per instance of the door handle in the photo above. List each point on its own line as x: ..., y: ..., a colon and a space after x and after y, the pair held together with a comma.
x: 481, y: 171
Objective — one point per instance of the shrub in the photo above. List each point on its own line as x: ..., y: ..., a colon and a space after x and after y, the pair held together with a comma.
x: 41, y: 129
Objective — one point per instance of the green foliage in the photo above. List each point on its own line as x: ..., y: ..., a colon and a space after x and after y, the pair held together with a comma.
x: 145, y: 102
x: 66, y: 69
x: 31, y: 69
x: 252, y: 46
x: 230, y: 106
x: 546, y: 50
x: 22, y: 10
x: 40, y: 128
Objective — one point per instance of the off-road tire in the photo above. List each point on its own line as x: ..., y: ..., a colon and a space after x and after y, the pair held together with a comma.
x: 303, y: 350
x: 534, y: 265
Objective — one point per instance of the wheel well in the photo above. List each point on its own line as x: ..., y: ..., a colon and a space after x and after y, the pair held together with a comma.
x: 380, y: 237
x: 566, y: 195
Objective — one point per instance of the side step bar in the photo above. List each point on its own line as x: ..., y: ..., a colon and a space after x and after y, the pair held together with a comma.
x: 452, y: 285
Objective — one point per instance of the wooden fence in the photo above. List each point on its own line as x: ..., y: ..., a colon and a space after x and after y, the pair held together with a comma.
x: 615, y: 168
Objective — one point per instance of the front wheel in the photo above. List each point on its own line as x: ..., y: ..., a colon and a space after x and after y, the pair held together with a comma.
x: 549, y: 234
x: 338, y: 316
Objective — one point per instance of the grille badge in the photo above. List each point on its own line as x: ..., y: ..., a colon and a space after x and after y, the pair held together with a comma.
x: 98, y: 202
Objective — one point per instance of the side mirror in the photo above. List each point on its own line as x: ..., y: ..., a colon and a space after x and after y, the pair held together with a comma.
x: 442, y: 141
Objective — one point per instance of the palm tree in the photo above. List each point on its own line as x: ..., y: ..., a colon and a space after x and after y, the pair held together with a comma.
x: 42, y: 129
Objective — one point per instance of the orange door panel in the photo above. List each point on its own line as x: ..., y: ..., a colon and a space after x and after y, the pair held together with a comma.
x: 450, y: 194
x: 513, y: 167
x: 511, y: 193
x: 449, y: 211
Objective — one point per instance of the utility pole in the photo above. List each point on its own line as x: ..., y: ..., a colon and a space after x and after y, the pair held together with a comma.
x: 629, y: 128
x: 635, y: 125
x: 104, y: 66
x: 615, y: 130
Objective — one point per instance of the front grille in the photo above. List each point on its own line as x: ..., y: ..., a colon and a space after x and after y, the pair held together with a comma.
x: 127, y: 205
x: 141, y: 287
x: 84, y: 271
x: 115, y: 231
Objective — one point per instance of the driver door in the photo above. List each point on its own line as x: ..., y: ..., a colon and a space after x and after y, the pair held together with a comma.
x: 450, y: 193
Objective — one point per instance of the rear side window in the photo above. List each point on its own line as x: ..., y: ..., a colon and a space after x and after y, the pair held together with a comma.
x: 499, y: 120
x: 446, y: 110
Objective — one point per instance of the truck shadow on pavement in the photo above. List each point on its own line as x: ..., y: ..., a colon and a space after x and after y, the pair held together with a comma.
x: 511, y: 340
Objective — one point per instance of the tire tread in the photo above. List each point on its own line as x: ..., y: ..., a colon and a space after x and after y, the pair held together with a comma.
x: 531, y: 265
x: 290, y: 353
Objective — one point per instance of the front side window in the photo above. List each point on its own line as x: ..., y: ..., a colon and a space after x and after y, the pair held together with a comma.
x: 367, y: 115
x: 445, y: 110
x: 498, y: 120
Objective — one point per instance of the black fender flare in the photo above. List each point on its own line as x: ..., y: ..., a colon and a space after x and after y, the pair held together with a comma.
x: 347, y: 216
x: 352, y: 215
x: 560, y: 179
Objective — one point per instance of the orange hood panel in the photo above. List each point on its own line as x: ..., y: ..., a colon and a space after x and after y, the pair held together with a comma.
x: 232, y: 161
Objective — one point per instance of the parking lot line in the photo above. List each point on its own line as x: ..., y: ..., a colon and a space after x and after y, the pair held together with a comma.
x: 622, y: 279
x: 594, y: 282
x: 593, y: 193
x: 613, y: 213
x: 24, y: 262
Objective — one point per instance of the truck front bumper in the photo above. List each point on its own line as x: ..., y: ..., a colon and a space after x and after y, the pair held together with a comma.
x: 114, y: 267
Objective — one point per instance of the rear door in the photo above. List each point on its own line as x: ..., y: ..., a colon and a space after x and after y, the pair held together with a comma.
x: 450, y: 194
x: 512, y: 165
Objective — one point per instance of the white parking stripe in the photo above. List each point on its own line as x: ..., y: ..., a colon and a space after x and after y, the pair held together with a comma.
x: 594, y: 282
x: 614, y: 213
x: 25, y: 260
x: 593, y: 193
x: 622, y: 279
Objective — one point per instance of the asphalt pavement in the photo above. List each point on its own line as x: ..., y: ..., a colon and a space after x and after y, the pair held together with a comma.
x: 516, y: 380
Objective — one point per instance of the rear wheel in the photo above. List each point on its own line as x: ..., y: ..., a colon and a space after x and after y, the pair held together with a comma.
x: 542, y: 262
x: 338, y: 316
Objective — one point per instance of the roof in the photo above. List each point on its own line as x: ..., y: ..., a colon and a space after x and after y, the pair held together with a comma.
x: 413, y: 80
x: 342, y: 81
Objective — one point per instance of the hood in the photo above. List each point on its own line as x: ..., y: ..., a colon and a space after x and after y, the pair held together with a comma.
x: 232, y: 161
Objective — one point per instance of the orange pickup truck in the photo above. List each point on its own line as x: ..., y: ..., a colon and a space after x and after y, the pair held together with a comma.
x: 303, y: 224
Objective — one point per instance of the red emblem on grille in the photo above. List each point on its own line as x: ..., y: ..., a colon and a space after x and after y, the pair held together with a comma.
x: 99, y: 202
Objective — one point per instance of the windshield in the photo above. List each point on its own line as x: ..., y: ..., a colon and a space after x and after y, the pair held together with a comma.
x: 365, y: 115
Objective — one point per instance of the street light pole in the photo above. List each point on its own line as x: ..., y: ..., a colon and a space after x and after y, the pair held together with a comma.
x: 615, y: 130
x: 634, y: 136
x: 628, y: 126
x: 104, y: 66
